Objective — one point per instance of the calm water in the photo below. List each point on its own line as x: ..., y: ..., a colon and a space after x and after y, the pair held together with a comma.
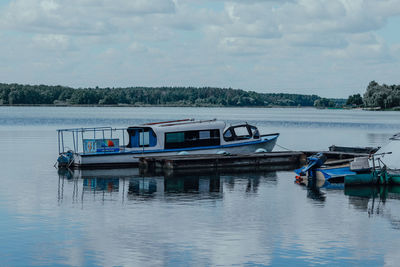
x: 119, y: 217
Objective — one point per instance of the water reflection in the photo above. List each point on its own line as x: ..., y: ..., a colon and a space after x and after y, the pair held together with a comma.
x: 376, y: 201
x: 378, y: 139
x: 315, y: 193
x: 130, y: 184
x: 143, y: 186
x: 252, y: 180
x: 317, y: 189
x: 193, y: 184
x: 101, y: 184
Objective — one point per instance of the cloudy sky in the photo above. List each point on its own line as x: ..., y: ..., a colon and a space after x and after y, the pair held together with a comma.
x: 333, y: 48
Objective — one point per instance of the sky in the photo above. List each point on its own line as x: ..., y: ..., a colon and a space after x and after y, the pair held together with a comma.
x: 332, y: 48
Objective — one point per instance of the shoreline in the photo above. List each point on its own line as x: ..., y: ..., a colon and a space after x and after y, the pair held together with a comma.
x: 190, y: 106
x: 126, y: 105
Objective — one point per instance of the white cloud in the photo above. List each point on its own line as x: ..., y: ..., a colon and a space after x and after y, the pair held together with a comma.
x: 140, y: 6
x: 49, y: 5
x: 137, y: 47
x: 188, y: 42
x: 51, y: 41
x: 76, y: 17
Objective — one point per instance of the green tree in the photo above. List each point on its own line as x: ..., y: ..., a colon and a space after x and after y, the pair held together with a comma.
x: 354, y: 100
x: 324, y: 103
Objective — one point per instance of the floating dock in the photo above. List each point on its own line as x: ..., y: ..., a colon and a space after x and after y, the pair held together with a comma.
x: 215, y: 161
x: 268, y: 161
x: 272, y: 160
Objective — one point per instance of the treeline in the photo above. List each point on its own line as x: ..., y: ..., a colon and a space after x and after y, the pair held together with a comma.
x: 377, y: 96
x: 383, y: 96
x: 17, y: 94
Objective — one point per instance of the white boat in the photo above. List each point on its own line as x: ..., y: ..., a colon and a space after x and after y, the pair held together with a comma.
x: 178, y: 137
x: 391, y: 153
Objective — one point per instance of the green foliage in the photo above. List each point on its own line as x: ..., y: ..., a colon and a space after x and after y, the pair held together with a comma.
x: 14, y: 94
x: 354, y: 100
x: 382, y: 96
x: 27, y: 94
x: 324, y: 103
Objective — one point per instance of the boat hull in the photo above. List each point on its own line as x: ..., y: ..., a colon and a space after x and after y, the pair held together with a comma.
x: 128, y: 158
x: 375, y: 177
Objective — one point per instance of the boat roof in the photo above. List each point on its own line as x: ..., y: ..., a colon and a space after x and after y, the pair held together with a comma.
x: 183, y: 125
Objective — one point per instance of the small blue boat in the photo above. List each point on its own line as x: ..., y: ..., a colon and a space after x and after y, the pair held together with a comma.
x: 322, y: 174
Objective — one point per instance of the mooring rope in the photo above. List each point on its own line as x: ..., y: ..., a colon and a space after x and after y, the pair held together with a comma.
x: 72, y: 160
x: 284, y: 147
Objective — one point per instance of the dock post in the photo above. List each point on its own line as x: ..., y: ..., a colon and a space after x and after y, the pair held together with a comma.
x: 73, y: 140
x: 62, y: 140
x: 58, y: 136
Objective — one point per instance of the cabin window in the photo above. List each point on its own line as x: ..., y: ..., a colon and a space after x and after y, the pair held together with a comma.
x: 242, y: 132
x: 189, y: 139
x: 228, y: 135
x: 142, y: 137
x: 204, y: 135
x: 174, y: 137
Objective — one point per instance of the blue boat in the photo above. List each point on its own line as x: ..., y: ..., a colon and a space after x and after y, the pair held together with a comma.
x: 323, y: 175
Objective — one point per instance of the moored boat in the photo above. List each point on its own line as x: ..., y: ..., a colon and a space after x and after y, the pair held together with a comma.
x: 187, y: 136
x: 385, y: 166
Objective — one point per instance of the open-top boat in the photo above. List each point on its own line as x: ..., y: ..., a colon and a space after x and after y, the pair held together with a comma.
x: 378, y: 167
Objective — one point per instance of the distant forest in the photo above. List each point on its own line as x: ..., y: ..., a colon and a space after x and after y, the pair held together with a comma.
x: 17, y: 94
x: 378, y: 97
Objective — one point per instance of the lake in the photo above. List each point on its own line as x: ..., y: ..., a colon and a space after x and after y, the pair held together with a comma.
x: 121, y: 217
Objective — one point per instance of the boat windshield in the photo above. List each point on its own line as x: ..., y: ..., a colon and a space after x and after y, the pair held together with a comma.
x: 241, y: 132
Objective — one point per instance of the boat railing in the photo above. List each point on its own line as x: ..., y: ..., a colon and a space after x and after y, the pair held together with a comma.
x: 79, y: 142
x: 377, y: 163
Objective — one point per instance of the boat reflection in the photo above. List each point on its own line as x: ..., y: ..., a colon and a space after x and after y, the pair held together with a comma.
x: 148, y: 187
x: 101, y: 184
x: 142, y: 186
x: 376, y: 201
x: 314, y: 187
x: 130, y: 184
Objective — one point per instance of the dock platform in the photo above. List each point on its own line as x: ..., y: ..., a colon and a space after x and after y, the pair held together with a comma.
x: 278, y: 160
x: 215, y: 161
